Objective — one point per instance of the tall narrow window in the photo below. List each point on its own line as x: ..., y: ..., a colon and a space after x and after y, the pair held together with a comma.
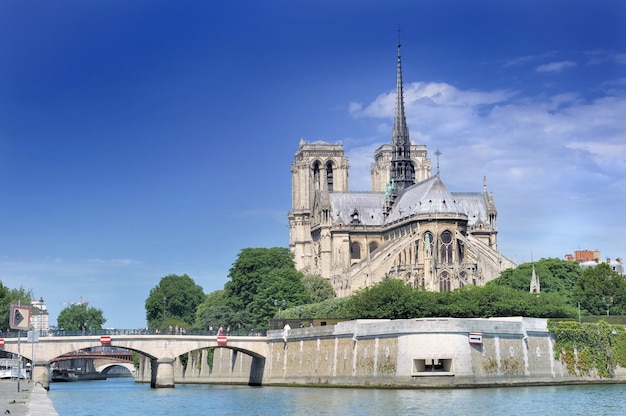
x: 444, y: 282
x: 329, y: 176
x: 373, y: 247
x: 445, y: 248
x: 355, y: 250
x: 316, y: 176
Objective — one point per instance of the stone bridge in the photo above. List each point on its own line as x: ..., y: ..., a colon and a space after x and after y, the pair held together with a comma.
x: 422, y: 352
x: 162, y: 350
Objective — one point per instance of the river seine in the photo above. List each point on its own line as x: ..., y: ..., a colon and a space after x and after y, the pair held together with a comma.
x: 123, y: 397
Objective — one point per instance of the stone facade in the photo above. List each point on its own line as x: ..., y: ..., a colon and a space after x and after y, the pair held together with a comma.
x: 410, y: 226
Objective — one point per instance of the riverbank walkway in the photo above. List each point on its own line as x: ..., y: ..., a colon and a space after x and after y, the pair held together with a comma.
x: 31, y: 400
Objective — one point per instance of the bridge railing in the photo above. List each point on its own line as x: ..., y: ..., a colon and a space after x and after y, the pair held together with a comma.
x: 115, y: 331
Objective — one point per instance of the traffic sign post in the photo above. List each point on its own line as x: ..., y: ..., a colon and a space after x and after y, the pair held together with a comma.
x: 20, y: 320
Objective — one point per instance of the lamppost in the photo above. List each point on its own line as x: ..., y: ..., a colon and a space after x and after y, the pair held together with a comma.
x: 278, y: 304
x: 164, y: 305
x: 41, y: 317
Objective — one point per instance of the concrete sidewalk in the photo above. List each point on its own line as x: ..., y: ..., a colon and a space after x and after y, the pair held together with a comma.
x: 31, y: 400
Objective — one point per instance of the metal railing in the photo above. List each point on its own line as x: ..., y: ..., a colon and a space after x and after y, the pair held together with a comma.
x: 111, y: 331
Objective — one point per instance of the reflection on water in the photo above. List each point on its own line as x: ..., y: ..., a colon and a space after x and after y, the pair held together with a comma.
x: 124, y: 397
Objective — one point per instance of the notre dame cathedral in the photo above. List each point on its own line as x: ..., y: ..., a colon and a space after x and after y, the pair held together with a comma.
x: 408, y: 227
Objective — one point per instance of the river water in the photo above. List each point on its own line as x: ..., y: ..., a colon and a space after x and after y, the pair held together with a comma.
x: 124, y: 397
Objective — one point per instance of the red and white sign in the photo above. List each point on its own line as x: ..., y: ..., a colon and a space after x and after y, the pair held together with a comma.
x: 475, y: 338
x: 1, y: 342
x: 221, y: 340
x: 105, y: 339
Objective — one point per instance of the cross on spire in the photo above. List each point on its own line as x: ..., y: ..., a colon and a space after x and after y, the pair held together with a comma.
x: 437, y: 153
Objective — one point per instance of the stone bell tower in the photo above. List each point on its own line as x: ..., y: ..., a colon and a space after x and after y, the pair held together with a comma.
x: 318, y: 168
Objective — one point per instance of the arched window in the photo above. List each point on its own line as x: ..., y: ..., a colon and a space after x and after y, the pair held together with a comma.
x: 444, y: 282
x: 329, y: 176
x: 373, y: 247
x: 355, y: 250
x: 316, y: 175
x: 445, y: 247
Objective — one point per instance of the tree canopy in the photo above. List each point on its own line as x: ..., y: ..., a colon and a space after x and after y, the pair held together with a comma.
x: 555, y: 276
x: 600, y: 288
x: 318, y: 288
x: 77, y: 317
x: 260, y: 280
x: 393, y: 299
x: 173, y: 301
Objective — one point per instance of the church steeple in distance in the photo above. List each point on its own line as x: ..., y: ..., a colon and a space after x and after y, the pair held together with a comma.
x: 402, y: 169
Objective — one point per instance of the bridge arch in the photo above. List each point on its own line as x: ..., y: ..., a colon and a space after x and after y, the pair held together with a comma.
x: 104, y: 368
x: 160, y: 350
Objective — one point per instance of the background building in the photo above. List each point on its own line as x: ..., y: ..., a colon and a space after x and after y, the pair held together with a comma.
x: 589, y: 258
x: 39, y: 318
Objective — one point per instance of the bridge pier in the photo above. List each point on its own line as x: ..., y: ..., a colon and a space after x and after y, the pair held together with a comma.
x: 41, y: 373
x: 162, y: 373
x: 256, y: 371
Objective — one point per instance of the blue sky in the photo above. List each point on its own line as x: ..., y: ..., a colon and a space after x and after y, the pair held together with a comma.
x: 144, y: 138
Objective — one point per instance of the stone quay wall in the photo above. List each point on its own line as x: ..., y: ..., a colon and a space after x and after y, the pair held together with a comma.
x: 421, y: 353
x: 438, y: 352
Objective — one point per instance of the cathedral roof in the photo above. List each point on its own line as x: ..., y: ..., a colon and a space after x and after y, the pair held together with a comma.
x: 368, y: 205
x: 474, y: 205
x: 431, y: 196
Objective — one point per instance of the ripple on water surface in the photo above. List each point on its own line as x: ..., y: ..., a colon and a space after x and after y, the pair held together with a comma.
x: 124, y: 397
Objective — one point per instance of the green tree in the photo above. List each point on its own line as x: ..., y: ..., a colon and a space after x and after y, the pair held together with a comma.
x: 214, y: 311
x: 75, y: 317
x: 554, y: 275
x: 391, y: 298
x: 279, y: 285
x: 259, y: 277
x: 173, y: 302
x: 318, y: 288
x: 600, y: 288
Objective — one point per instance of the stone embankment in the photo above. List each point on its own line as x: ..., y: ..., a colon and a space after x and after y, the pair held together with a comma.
x: 31, y: 400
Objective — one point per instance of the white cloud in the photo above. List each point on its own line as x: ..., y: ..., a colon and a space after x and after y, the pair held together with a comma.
x: 556, y: 163
x: 555, y: 66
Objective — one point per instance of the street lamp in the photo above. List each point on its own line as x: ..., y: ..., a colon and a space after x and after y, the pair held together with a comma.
x: 164, y: 304
x: 278, y: 304
x: 40, y: 317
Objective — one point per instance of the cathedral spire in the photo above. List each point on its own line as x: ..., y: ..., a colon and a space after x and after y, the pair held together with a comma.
x: 400, y: 130
x: 402, y: 169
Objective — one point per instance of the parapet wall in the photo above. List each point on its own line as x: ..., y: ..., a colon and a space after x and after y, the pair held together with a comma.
x: 436, y: 352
